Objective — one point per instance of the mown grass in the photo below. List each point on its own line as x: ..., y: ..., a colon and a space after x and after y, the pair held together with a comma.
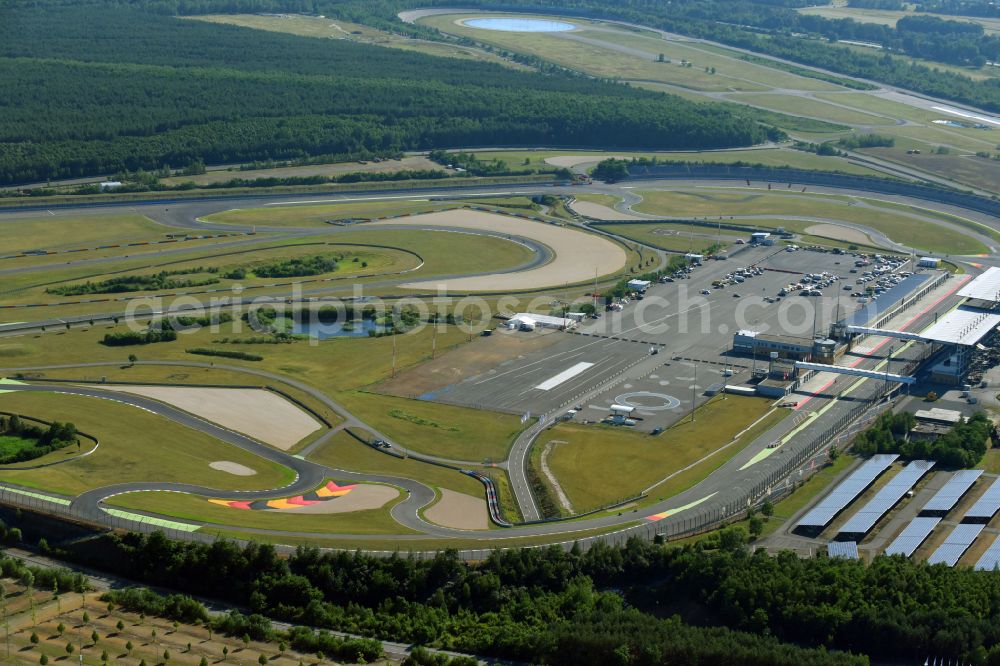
x: 904, y: 229
x: 326, y: 28
x: 674, y: 237
x: 597, y: 465
x: 52, y: 232
x: 135, y: 445
x: 428, y: 544
x: 804, y: 106
x: 448, y: 431
x: 777, y: 157
x: 342, y: 451
x: 199, y: 509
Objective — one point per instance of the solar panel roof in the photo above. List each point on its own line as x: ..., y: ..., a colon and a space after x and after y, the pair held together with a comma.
x: 955, y: 544
x: 847, y: 491
x: 947, y: 497
x: 876, y: 307
x: 988, y: 503
x: 886, y: 498
x: 912, y: 536
x: 991, y: 558
x: 845, y: 549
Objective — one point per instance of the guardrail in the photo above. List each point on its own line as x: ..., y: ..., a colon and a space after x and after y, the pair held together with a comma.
x: 730, y: 505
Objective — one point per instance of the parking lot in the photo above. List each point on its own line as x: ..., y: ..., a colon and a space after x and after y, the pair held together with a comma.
x: 688, y: 321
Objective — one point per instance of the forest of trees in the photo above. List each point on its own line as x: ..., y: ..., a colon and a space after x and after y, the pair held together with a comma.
x: 126, y: 90
x: 632, y: 605
x: 981, y: 8
x: 27, y: 441
x: 775, y: 28
x: 963, y: 446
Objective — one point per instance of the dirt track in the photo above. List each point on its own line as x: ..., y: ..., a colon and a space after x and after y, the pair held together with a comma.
x: 577, y: 253
x: 254, y: 412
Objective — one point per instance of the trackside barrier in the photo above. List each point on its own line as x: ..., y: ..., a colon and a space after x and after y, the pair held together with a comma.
x: 492, y: 500
x: 805, y: 454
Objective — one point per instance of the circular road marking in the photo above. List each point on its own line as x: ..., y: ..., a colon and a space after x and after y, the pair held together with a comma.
x: 648, y: 401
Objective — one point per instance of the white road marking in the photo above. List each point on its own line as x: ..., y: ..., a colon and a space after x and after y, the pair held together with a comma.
x: 564, y: 376
x: 963, y: 114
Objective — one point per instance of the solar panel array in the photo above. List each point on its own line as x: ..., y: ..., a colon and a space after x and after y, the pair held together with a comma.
x: 987, y: 505
x: 991, y: 558
x: 846, y: 492
x: 955, y: 544
x: 846, y: 549
x: 912, y: 536
x: 886, y: 498
x: 946, y: 498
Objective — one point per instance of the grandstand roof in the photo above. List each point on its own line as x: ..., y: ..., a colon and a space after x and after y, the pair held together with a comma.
x: 986, y: 287
x: 963, y: 326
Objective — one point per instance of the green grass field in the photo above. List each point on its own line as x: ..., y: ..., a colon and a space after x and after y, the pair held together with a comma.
x: 706, y: 202
x: 601, y: 55
x: 672, y: 237
x: 326, y: 28
x: 448, y: 431
x: 597, y: 465
x: 318, y: 215
x: 11, y: 445
x: 345, y: 452
x: 199, y: 509
x: 803, y: 106
x: 765, y: 156
x: 354, y: 261
x: 134, y: 446
x: 336, y: 364
x: 403, y: 545
x: 72, y: 231
x: 442, y: 253
x: 30, y: 287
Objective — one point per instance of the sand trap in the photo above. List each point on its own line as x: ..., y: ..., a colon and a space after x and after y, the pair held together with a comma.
x: 232, y: 468
x: 362, y: 497
x: 458, y: 510
x: 837, y: 232
x: 255, y: 412
x: 570, y: 161
x: 601, y: 212
x: 577, y: 253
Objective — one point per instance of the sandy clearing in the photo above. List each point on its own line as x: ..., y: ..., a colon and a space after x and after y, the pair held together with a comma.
x: 460, y: 511
x: 570, y: 161
x: 255, y: 412
x: 232, y: 468
x: 362, y: 498
x: 601, y: 212
x: 577, y: 254
x: 837, y: 232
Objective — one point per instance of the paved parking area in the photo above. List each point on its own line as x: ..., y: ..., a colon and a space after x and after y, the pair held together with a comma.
x: 542, y: 381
